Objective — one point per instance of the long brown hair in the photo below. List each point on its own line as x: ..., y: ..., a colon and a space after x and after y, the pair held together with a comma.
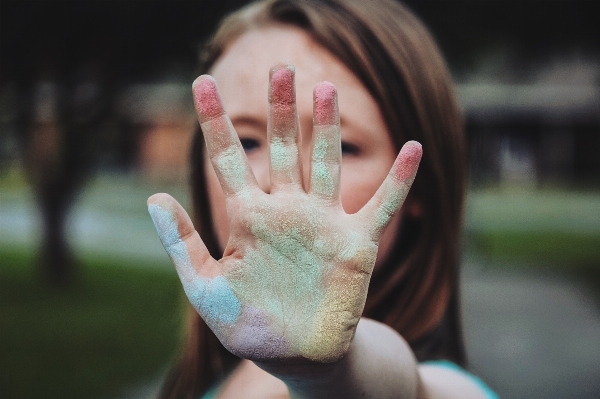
x: 415, y: 290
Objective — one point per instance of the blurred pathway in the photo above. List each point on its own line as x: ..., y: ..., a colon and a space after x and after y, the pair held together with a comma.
x: 530, y: 335
x: 110, y: 218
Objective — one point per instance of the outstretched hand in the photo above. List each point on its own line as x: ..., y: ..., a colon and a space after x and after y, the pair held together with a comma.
x: 295, y: 272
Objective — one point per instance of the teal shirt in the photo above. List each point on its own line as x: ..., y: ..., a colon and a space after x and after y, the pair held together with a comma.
x: 488, y: 393
x: 212, y: 392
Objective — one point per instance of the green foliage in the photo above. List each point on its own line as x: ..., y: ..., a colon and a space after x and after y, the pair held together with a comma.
x: 119, y: 326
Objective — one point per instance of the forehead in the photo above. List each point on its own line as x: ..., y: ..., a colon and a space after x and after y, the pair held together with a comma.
x: 243, y: 69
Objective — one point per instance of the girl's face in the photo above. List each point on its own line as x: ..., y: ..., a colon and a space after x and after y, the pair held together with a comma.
x: 242, y: 75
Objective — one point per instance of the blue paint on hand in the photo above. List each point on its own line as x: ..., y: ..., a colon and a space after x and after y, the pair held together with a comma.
x: 212, y: 298
x: 220, y: 302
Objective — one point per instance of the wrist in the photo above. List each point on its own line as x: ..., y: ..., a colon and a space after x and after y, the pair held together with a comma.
x: 303, y: 374
x: 378, y: 364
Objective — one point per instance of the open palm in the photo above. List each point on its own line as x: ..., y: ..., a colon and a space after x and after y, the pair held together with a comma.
x: 294, y: 276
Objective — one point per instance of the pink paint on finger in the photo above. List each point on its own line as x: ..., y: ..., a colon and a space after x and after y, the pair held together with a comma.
x: 206, y: 98
x: 407, y: 162
x: 325, y: 104
x: 282, y: 85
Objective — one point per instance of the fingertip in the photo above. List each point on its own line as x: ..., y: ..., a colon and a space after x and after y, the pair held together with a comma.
x: 408, y: 160
x: 161, y: 202
x: 200, y: 79
x: 281, y: 81
x: 325, y: 104
x: 206, y: 98
x: 413, y: 144
x: 282, y: 70
x: 158, y: 198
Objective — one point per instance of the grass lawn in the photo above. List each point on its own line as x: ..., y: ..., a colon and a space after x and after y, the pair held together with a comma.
x: 557, y: 231
x: 118, y: 327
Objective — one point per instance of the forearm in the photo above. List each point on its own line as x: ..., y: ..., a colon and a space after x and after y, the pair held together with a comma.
x: 379, y: 364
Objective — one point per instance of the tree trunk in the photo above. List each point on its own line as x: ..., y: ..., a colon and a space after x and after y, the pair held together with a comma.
x: 57, y: 263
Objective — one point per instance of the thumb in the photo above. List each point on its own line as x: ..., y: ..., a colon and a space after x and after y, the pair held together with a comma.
x: 181, y: 241
x: 205, y: 287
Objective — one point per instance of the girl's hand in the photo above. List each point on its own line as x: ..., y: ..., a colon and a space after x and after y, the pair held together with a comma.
x: 294, y: 276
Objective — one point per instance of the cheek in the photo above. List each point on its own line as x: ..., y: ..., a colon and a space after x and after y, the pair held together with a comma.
x: 355, y: 194
x: 360, y: 181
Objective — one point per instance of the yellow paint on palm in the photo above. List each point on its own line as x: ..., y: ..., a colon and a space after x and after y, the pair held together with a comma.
x: 335, y: 320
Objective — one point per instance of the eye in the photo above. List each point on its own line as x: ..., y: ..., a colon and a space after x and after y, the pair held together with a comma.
x: 349, y: 149
x: 249, y: 144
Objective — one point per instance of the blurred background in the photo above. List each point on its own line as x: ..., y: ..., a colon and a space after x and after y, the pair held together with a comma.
x: 96, y: 115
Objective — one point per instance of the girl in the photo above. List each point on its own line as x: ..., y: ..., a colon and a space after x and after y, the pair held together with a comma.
x: 325, y: 288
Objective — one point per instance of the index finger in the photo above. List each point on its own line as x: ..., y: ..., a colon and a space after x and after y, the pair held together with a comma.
x: 223, y: 145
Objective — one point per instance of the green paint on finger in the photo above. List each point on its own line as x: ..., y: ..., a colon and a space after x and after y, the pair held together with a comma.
x: 321, y: 178
x: 233, y: 169
x: 282, y: 157
x: 391, y: 204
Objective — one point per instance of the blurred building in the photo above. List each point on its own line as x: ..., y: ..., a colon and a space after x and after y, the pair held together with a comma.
x: 528, y: 76
x: 542, y: 132
x: 161, y: 120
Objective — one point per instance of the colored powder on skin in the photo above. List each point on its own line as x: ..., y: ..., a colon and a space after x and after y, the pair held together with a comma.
x: 220, y: 304
x: 232, y: 168
x: 325, y: 105
x: 166, y: 226
x: 282, y: 85
x: 218, y: 135
x: 279, y: 277
x: 206, y: 98
x: 393, y: 198
x: 331, y: 334
x: 350, y: 247
x: 321, y: 179
x: 282, y: 157
x: 254, y: 339
x: 407, y: 163
x: 341, y: 307
x: 213, y: 298
x: 283, y: 102
x: 403, y: 172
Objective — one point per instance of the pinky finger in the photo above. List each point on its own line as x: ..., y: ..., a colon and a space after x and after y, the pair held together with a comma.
x: 393, y: 191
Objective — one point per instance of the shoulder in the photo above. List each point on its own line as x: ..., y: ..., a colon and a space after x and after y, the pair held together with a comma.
x: 444, y: 379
